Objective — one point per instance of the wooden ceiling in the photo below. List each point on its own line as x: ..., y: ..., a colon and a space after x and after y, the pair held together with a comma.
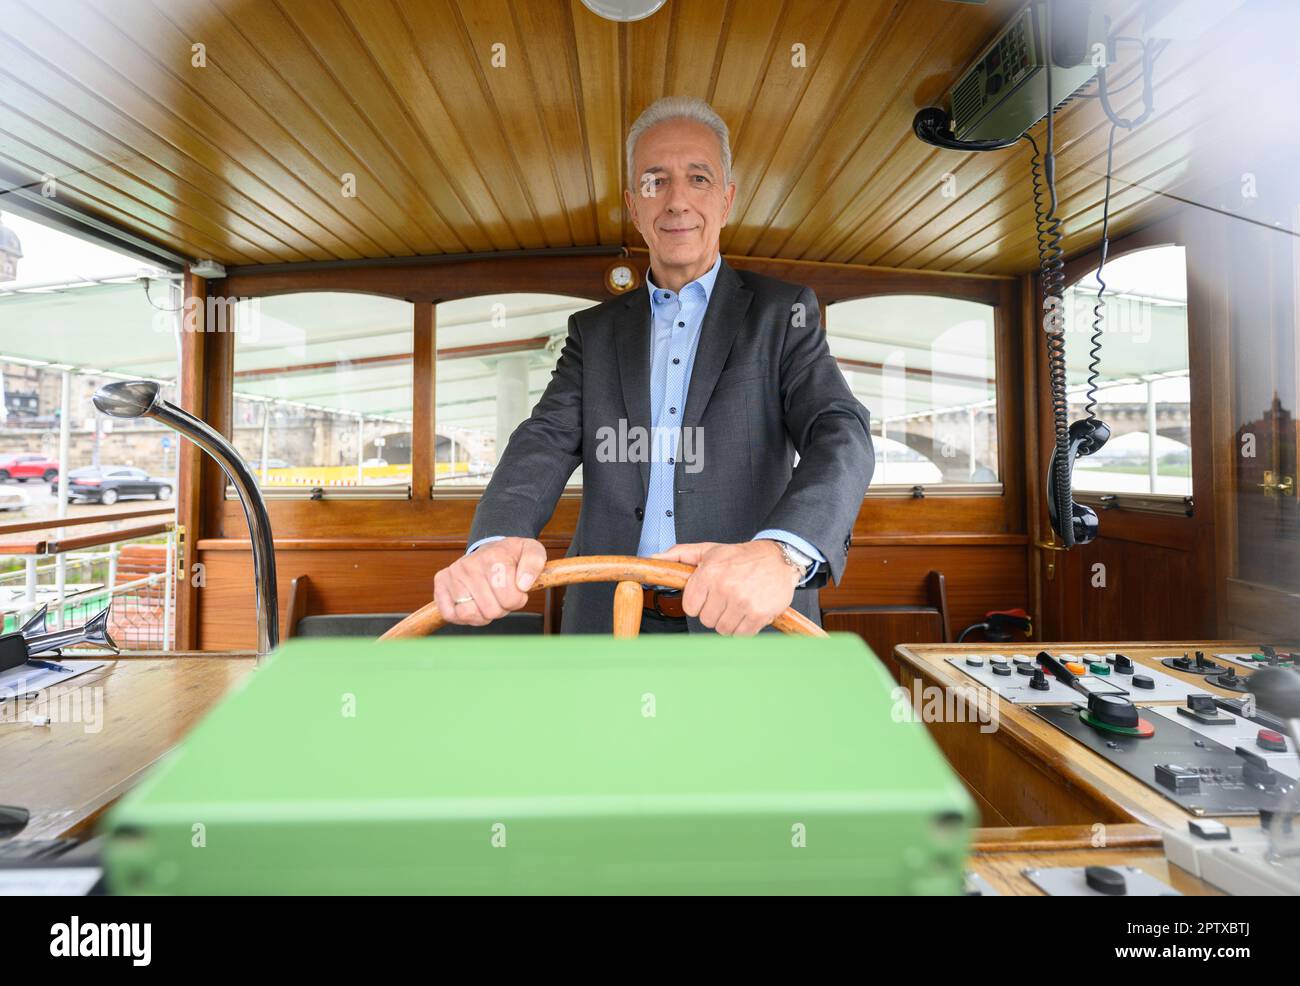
x: 242, y: 160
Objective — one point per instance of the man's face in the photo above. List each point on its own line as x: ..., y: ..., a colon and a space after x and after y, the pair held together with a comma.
x: 680, y: 201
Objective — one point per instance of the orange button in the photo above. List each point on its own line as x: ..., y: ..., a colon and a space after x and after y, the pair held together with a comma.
x: 1075, y: 668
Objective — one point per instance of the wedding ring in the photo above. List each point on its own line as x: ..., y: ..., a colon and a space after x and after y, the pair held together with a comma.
x: 463, y: 599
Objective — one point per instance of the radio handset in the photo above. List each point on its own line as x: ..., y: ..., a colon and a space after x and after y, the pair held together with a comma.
x: 1073, y: 522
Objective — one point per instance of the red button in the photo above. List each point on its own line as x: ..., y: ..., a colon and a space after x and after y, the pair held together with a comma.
x: 1271, y: 740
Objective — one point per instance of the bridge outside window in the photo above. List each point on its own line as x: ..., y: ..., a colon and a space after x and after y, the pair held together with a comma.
x: 1143, y: 393
x: 926, y: 369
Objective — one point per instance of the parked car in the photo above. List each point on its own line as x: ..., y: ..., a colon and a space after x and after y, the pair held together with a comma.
x: 23, y: 467
x: 108, y: 484
x: 12, y: 500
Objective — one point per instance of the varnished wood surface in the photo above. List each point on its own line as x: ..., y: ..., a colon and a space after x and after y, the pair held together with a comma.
x: 1002, y: 855
x: 192, y: 396
x: 1054, y: 838
x: 627, y: 570
x: 493, y: 125
x: 68, y: 772
x: 48, y: 524
x: 628, y: 606
x: 52, y: 546
x: 1005, y: 871
x: 1027, y: 769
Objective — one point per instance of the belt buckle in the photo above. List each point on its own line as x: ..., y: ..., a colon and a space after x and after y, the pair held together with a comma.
x: 664, y: 592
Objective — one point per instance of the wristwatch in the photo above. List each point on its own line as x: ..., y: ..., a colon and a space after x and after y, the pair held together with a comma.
x: 795, y: 558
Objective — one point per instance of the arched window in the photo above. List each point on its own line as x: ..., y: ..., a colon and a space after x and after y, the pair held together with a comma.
x: 495, y: 357
x: 925, y: 367
x: 1143, y: 387
x: 322, y: 388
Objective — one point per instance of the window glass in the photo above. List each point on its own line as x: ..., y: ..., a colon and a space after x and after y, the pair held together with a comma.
x: 1143, y: 390
x: 323, y: 385
x: 495, y: 357
x: 73, y: 309
x: 925, y: 369
x: 75, y: 316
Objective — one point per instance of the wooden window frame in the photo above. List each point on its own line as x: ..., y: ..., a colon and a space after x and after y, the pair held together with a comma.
x: 444, y: 520
x: 1163, y: 234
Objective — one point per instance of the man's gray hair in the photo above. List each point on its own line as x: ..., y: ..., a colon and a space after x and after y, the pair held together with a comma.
x: 680, y: 108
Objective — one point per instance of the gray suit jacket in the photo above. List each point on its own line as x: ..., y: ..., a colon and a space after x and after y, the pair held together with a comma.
x: 764, y: 386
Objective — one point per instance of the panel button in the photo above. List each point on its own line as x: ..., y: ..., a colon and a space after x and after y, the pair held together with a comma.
x: 1271, y: 740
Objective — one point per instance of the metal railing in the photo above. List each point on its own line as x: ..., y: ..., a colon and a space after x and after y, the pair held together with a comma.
x: 130, y: 569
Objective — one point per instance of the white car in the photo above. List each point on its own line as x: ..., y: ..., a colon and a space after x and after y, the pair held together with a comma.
x: 12, y: 500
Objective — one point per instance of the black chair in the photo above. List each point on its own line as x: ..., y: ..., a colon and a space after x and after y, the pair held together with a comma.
x: 373, y: 625
x: 376, y: 624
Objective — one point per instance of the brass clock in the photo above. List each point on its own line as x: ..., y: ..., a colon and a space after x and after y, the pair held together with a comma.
x: 621, y: 278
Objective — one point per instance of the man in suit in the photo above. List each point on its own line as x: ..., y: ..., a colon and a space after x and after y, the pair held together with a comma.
x: 685, y: 403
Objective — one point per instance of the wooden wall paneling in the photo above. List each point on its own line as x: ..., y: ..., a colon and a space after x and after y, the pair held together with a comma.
x: 300, y: 110
x: 805, y: 102
x: 432, y: 279
x: 412, y: 68
x: 596, y: 48
x: 536, y: 97
x: 1010, y: 356
x: 84, y: 178
x: 385, y: 579
x: 1033, y: 401
x: 1262, y: 613
x: 149, y: 110
x: 1158, y: 568
x: 219, y: 363
x: 978, y: 579
x: 192, y: 397
x: 582, y: 274
x: 951, y: 189
x: 338, y: 65
x: 423, y: 397
x: 829, y: 212
x: 475, y: 125
x: 395, y: 574
x: 883, y: 631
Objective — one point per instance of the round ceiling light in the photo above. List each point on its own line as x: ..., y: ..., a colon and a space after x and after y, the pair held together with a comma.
x: 623, y: 10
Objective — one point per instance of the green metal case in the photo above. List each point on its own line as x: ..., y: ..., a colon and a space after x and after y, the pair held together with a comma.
x: 551, y: 765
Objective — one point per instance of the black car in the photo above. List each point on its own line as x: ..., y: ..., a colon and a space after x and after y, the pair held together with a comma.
x: 108, y: 484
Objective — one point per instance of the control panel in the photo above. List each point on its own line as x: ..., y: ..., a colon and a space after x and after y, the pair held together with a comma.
x: 1021, y: 679
x: 1166, y: 722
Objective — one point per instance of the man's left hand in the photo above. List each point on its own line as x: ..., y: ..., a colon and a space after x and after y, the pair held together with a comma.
x: 736, y: 589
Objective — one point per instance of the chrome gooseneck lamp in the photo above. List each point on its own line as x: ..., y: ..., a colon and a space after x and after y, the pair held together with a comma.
x: 140, y: 399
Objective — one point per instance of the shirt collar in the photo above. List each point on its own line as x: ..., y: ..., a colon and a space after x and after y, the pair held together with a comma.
x: 705, y: 281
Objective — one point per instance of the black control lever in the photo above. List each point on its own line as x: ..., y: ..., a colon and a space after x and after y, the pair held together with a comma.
x: 1060, y: 672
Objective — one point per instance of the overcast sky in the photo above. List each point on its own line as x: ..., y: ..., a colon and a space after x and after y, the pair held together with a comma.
x: 49, y: 255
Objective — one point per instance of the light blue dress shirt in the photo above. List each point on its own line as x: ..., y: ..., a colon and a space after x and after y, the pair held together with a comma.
x: 677, y: 320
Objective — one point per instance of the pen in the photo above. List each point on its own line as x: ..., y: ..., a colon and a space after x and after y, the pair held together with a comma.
x: 47, y: 665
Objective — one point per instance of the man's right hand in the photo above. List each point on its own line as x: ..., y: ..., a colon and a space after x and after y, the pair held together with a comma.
x: 489, y: 583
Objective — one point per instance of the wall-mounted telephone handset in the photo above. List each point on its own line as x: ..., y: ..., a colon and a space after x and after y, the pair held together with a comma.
x: 1073, y: 522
